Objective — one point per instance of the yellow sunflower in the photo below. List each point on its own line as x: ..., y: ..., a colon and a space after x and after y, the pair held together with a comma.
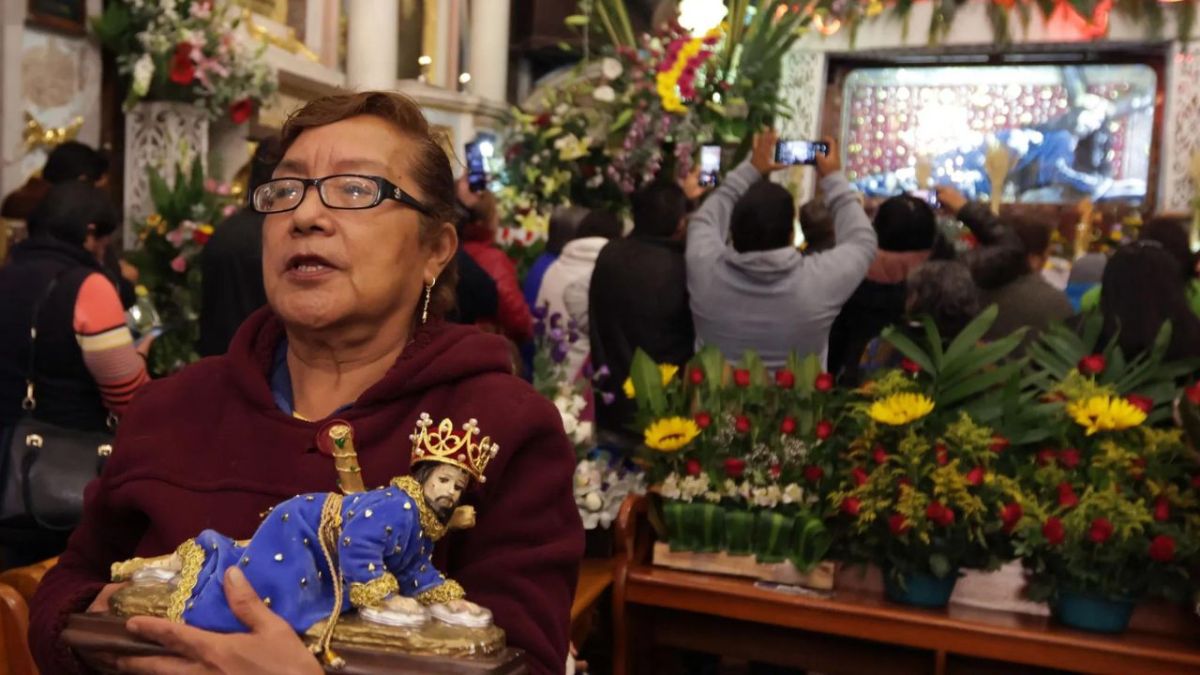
x: 666, y: 370
x: 1105, y: 413
x: 899, y: 409
x: 671, y: 433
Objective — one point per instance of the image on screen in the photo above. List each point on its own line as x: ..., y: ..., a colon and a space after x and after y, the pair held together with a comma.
x: 1069, y: 131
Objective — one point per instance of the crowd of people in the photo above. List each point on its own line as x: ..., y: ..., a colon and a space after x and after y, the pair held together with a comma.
x: 317, y: 306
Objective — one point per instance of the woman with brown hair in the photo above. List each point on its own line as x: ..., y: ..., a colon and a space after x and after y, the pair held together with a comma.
x: 358, y: 242
x: 513, y: 318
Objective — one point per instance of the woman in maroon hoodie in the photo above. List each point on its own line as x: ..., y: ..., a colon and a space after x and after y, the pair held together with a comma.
x: 357, y: 252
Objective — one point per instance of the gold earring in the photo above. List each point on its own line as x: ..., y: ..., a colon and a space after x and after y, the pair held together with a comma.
x: 428, y: 295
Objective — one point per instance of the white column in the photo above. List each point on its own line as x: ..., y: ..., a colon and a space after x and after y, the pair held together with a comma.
x: 372, y: 44
x: 488, y: 49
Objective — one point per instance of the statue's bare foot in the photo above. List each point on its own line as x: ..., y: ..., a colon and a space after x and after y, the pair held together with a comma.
x: 396, y: 610
x: 462, y: 613
x: 162, y: 570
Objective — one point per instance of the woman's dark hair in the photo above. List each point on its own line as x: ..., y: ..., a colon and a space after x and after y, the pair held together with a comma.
x: 600, y: 224
x: 944, y: 291
x: 905, y: 223
x: 1172, y: 233
x: 74, y: 161
x: 1140, y: 292
x: 429, y: 165
x: 477, y: 226
x: 763, y: 219
x: 564, y: 226
x: 262, y: 164
x: 69, y: 208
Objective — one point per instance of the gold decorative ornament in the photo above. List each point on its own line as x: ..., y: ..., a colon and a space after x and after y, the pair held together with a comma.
x: 37, y: 136
x: 448, y: 447
x: 289, y: 43
x: 374, y: 591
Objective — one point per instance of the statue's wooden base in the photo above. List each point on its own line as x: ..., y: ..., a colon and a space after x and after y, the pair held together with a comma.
x: 106, y: 632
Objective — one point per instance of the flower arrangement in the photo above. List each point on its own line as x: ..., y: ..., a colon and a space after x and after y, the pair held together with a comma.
x: 169, y: 242
x: 522, y: 245
x: 187, y: 50
x: 733, y: 448
x: 602, y: 479
x: 636, y: 108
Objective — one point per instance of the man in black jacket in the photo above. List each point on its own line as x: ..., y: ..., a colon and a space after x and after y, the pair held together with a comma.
x: 638, y: 299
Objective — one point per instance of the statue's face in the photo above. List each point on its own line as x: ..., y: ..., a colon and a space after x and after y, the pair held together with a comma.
x: 443, y: 487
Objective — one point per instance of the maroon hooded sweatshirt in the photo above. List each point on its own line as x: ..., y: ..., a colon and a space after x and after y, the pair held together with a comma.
x: 209, y: 448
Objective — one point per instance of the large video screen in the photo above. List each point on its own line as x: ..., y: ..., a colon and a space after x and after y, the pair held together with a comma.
x: 1068, y: 131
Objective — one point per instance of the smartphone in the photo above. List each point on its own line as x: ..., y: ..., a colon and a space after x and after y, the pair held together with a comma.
x: 149, y: 335
x: 476, y: 171
x: 928, y: 196
x: 710, y: 165
x: 791, y: 153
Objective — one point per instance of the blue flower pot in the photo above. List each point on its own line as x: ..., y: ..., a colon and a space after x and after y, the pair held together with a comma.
x: 1093, y: 612
x: 920, y: 590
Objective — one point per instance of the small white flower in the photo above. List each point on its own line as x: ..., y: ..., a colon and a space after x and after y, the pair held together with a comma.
x: 143, y: 71
x: 611, y: 68
x: 583, y: 433
x: 792, y: 494
x: 593, y: 501
x: 604, y: 94
x: 670, y: 487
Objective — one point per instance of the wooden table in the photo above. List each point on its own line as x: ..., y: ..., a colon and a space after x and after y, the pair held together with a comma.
x: 856, y: 631
x: 595, y: 576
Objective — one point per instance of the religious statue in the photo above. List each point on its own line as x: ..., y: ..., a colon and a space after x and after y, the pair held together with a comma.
x: 313, y: 548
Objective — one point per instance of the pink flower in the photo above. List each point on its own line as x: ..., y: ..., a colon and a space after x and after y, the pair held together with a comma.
x: 177, y: 237
x: 229, y: 210
x: 210, y: 184
x: 179, y: 264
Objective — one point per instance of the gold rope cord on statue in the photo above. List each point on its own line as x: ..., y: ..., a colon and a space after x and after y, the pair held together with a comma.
x: 192, y: 556
x: 328, y: 531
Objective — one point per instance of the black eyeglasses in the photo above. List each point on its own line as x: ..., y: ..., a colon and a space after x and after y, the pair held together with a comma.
x: 342, y: 191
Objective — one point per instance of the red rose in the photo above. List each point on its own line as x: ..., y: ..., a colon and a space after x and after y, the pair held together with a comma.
x: 999, y: 443
x: 859, y: 474
x: 542, y: 120
x: 940, y: 514
x: 1092, y: 365
x: 788, y: 426
x: 1143, y: 403
x: 897, y: 524
x: 734, y: 467
x: 852, y: 505
x: 910, y: 366
x: 1101, y: 530
x: 703, y: 420
x: 1053, y: 531
x: 942, y: 454
x: 241, y: 111
x: 1069, y: 458
x: 693, y: 467
x: 879, y: 454
x: 905, y: 481
x: 785, y: 379
x: 695, y: 375
x: 1162, y: 510
x: 776, y: 471
x: 742, y: 424
x: 201, y: 237
x: 183, y: 70
x: 741, y: 378
x: 1011, y: 515
x: 824, y: 382
x: 1162, y: 549
x: 1193, y: 393
x: 1045, y: 456
x: 813, y: 473
x: 975, y: 476
x: 1066, y: 496
x: 824, y: 429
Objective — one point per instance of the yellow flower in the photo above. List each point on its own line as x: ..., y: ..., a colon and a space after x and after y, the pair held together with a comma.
x: 1105, y: 413
x: 671, y: 433
x: 665, y: 370
x: 875, y: 8
x: 153, y: 220
x: 899, y: 409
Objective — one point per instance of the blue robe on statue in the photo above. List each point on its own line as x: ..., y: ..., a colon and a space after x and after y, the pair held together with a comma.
x: 381, y: 548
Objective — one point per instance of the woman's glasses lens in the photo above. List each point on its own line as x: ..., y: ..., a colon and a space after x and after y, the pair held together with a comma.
x: 337, y: 192
x: 278, y: 195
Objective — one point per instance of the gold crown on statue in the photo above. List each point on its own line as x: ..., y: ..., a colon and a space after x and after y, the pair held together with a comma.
x: 455, y: 448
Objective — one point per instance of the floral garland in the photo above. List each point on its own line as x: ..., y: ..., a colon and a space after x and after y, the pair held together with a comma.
x: 187, y: 50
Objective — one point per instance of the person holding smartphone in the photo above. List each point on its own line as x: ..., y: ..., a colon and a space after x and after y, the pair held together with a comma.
x: 749, y: 287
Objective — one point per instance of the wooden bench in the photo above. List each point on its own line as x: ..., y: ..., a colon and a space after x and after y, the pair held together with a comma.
x: 595, y: 576
x: 857, y: 631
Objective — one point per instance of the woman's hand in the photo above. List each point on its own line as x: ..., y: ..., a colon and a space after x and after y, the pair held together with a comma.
x: 271, y: 646
x: 762, y: 152
x: 950, y: 199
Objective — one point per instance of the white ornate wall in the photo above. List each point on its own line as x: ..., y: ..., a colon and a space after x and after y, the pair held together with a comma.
x: 803, y: 88
x: 1181, y: 131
